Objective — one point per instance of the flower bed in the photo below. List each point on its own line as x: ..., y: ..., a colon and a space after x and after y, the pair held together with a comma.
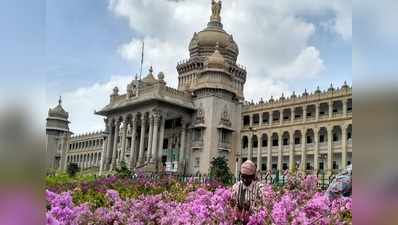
x: 121, y: 201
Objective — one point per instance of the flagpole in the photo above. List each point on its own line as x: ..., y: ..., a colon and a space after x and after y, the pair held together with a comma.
x: 142, y: 58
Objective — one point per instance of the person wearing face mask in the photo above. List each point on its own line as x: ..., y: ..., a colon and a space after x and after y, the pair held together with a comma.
x: 246, y: 193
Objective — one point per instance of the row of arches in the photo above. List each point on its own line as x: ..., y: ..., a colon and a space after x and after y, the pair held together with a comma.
x: 297, y: 137
x: 86, y: 159
x: 86, y: 144
x: 338, y: 107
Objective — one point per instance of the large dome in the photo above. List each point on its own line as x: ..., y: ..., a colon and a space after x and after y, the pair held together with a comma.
x: 58, y: 111
x: 204, y: 42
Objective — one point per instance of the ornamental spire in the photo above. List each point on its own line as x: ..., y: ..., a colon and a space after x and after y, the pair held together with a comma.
x: 215, y: 18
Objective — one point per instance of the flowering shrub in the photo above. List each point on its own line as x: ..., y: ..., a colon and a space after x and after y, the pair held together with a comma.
x: 302, y: 204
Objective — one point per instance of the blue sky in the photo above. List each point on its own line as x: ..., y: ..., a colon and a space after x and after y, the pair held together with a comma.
x: 84, y: 48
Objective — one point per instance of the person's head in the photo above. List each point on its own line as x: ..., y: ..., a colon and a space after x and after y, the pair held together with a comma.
x: 248, y: 172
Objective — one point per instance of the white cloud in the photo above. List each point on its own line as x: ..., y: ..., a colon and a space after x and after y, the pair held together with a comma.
x: 82, y: 102
x: 307, y: 65
x: 273, y: 37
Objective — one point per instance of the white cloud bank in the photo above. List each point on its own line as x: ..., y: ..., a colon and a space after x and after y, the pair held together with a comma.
x: 273, y: 38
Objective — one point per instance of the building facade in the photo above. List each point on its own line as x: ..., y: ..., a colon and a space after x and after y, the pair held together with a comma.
x: 311, y: 132
x: 159, y: 128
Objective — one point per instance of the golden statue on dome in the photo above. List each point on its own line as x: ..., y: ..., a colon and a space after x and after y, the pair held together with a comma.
x: 216, y: 9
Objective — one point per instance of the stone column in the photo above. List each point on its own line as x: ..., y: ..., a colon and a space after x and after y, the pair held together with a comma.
x: 270, y: 118
x: 156, y: 122
x: 291, y: 151
x: 149, y: 150
x: 142, y: 140
x: 292, y: 114
x: 181, y: 154
x: 303, y: 152
x: 330, y: 153
x: 317, y: 111
x: 259, y: 152
x: 344, y: 147
x: 108, y: 147
x: 161, y: 137
x: 124, y: 140
x: 250, y: 152
x: 304, y: 113
x: 345, y: 107
x: 316, y: 149
x: 281, y: 116
x: 133, y: 152
x: 330, y: 109
x: 239, y: 161
x: 64, y: 146
x: 260, y: 116
x: 269, y: 153
x: 114, y: 153
x: 280, y: 151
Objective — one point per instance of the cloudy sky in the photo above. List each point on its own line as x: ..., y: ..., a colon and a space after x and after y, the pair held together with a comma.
x: 93, y: 45
x: 286, y: 45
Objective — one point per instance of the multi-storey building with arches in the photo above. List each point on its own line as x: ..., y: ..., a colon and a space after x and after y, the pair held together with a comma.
x: 159, y: 128
x: 307, y: 132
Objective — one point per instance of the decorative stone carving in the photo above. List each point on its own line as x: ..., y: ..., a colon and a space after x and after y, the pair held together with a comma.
x: 216, y: 10
x: 225, y: 117
x: 200, y: 115
x: 115, y: 91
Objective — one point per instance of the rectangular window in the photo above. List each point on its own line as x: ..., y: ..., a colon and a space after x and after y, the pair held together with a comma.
x: 263, y: 167
x: 197, y: 162
x: 274, y: 166
x: 296, y: 140
x: 335, y: 166
x: 335, y: 137
x: 321, y: 166
x: 322, y: 138
x: 165, y: 143
x: 309, y: 114
x: 274, y: 142
x: 308, y: 166
x: 309, y: 139
x: 285, y: 141
x: 264, y: 143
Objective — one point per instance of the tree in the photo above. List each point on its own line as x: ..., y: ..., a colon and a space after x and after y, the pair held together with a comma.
x: 123, y: 171
x: 219, y: 170
x: 72, y: 169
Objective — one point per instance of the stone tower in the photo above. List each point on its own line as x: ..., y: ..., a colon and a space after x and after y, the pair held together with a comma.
x: 57, y: 133
x: 216, y: 82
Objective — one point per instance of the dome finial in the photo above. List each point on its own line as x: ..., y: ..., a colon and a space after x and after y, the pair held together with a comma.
x: 60, y: 100
x: 150, y: 70
x: 216, y: 10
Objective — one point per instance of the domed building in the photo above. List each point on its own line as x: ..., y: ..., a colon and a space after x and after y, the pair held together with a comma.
x: 157, y: 128
x: 57, y: 132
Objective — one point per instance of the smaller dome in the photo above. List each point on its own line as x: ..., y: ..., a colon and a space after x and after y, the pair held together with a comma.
x: 345, y: 85
x: 58, y: 111
x: 161, y: 76
x: 150, y: 79
x: 216, y: 59
x: 318, y: 91
x: 331, y: 88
